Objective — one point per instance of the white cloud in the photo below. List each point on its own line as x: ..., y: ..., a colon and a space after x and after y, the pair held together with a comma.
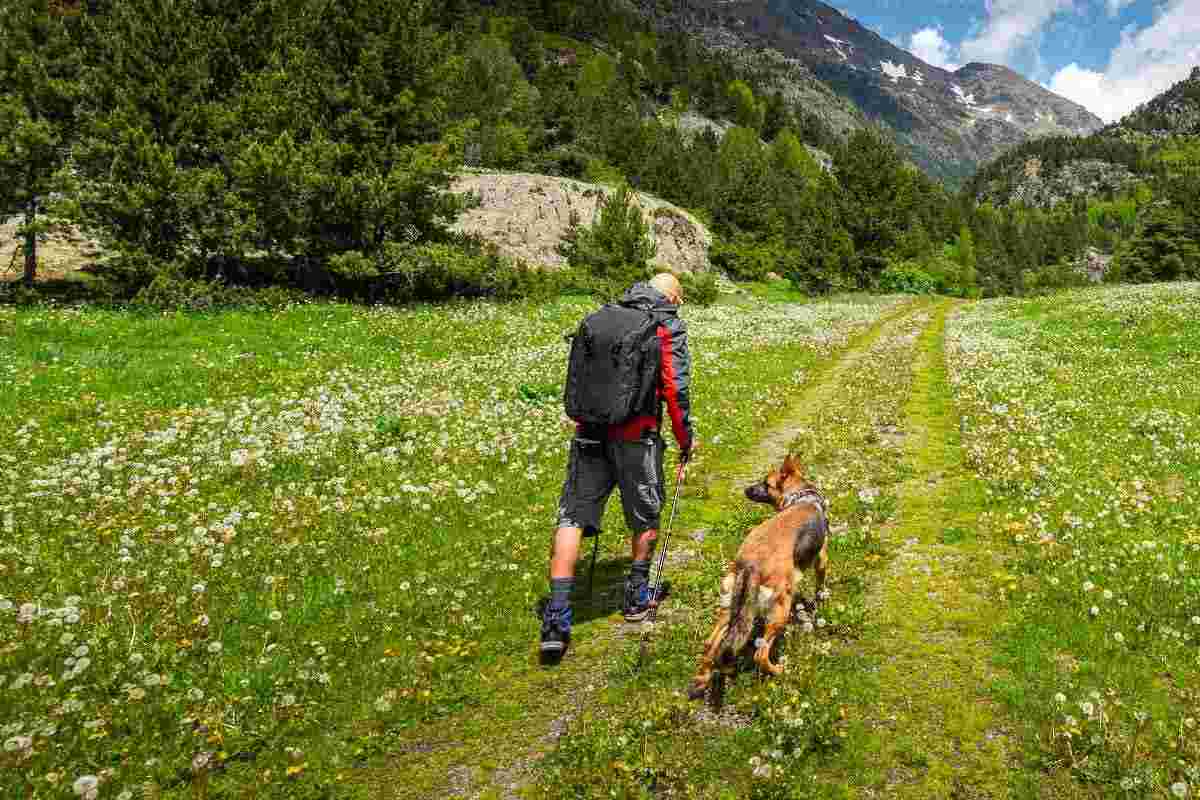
x: 930, y: 46
x: 1011, y: 26
x: 1146, y: 63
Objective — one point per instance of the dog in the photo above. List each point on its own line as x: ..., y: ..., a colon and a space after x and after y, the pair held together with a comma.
x: 761, y: 582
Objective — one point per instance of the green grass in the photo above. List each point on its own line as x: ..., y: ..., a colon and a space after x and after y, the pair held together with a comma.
x: 355, y: 505
x: 1081, y: 414
x: 321, y: 530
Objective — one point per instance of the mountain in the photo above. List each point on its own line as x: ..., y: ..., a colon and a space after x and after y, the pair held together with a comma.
x: 1175, y: 112
x: 1045, y: 172
x: 949, y: 122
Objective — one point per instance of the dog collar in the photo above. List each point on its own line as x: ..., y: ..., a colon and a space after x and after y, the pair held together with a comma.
x: 810, y: 496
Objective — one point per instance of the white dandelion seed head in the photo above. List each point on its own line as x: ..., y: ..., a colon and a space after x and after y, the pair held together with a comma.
x: 86, y: 786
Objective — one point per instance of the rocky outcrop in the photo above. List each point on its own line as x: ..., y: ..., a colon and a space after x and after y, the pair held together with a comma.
x: 526, y: 216
x: 1032, y: 185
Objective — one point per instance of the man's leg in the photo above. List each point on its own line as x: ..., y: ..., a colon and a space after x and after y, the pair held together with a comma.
x: 566, y: 552
x: 585, y: 491
x: 562, y: 566
x: 639, y: 475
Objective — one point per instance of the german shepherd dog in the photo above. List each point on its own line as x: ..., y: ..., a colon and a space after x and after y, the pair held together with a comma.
x: 762, y: 580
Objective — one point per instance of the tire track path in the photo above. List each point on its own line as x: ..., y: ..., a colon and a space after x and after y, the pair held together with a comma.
x: 936, y: 732
x: 495, y: 755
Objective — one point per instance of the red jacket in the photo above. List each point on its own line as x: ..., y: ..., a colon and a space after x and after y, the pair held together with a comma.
x: 675, y: 371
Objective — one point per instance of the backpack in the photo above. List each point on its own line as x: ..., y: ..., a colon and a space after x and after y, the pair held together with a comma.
x: 612, y: 369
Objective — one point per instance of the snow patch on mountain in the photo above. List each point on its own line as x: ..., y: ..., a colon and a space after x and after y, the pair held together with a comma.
x: 893, y: 71
x: 838, y: 44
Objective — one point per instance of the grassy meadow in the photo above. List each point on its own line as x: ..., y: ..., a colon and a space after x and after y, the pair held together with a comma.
x: 242, y: 548
x: 298, y: 554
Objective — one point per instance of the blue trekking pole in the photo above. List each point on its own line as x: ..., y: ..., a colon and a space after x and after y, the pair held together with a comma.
x: 656, y: 586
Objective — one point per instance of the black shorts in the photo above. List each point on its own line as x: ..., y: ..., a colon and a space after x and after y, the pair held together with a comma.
x: 596, y: 467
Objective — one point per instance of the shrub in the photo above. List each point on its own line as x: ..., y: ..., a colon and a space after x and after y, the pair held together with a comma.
x: 746, y: 259
x: 404, y: 273
x: 700, y: 287
x: 907, y: 278
x: 1052, y: 277
x: 171, y: 291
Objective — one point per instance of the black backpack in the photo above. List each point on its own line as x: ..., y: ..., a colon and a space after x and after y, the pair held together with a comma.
x: 612, y: 370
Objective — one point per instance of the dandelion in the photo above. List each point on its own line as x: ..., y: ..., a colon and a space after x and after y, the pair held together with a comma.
x: 215, y: 647
x: 18, y: 744
x: 275, y: 616
x: 87, y: 787
x: 1179, y: 789
x: 1060, y: 698
x: 1118, y: 637
x: 1094, y: 611
x: 200, y: 762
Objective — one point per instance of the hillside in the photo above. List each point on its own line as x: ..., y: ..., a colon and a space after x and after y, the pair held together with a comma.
x: 1175, y: 112
x: 1107, y: 162
x: 948, y: 122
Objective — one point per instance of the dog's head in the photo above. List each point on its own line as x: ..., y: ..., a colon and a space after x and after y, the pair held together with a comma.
x: 779, y: 483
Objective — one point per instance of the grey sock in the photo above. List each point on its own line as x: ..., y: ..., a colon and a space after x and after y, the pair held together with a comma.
x: 560, y: 592
x: 639, y: 572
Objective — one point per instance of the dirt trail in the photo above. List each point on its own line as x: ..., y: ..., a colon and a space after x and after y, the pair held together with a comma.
x: 936, y: 731
x: 488, y: 757
x: 776, y: 441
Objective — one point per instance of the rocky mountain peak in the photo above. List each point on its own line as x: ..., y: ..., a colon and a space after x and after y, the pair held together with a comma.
x: 948, y: 122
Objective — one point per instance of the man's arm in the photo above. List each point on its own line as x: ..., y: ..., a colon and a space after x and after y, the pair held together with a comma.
x: 676, y: 378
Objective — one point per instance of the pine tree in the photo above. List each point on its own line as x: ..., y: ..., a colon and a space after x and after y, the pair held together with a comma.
x: 617, y: 248
x: 39, y: 88
x: 1161, y: 251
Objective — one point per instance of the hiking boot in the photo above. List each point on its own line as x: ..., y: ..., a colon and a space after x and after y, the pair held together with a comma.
x: 556, y: 631
x: 637, y: 601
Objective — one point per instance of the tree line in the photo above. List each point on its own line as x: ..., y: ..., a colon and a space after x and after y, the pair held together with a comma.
x: 286, y: 142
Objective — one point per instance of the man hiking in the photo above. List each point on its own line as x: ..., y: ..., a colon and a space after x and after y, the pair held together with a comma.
x: 628, y: 454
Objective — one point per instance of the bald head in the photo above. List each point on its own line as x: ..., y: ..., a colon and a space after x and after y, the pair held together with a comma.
x: 669, y: 285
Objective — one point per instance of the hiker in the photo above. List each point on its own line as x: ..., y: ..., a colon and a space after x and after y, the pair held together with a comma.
x: 627, y: 455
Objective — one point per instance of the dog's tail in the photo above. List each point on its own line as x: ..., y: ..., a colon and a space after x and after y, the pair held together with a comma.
x: 741, y: 611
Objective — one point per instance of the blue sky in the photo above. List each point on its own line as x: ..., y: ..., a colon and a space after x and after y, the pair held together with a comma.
x: 1107, y: 55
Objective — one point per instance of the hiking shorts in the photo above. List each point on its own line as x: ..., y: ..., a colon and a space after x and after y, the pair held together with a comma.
x: 596, y: 467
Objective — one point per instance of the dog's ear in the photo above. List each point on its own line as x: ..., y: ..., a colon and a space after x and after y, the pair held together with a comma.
x: 791, y: 466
